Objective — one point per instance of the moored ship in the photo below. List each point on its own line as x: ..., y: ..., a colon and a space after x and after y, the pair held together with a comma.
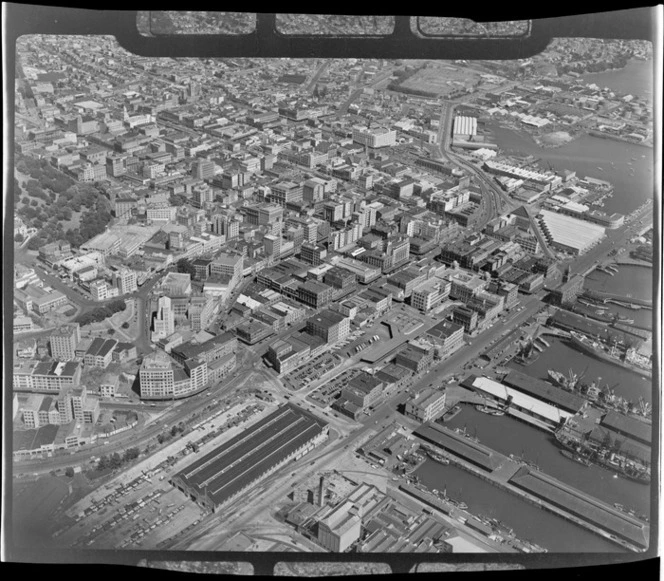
x: 437, y: 456
x: 603, y: 458
x: 568, y: 382
x: 576, y: 457
x: 594, y: 349
x: 489, y: 410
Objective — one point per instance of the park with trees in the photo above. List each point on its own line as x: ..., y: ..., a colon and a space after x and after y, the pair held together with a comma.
x: 58, y: 206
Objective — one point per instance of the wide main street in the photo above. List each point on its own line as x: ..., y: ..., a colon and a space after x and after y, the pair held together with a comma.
x: 241, y: 516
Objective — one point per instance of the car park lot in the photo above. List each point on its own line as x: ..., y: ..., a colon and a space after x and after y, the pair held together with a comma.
x: 135, y: 517
x: 312, y: 371
x: 326, y: 393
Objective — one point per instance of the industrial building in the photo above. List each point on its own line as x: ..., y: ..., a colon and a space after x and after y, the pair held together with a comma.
x: 545, y: 392
x: 519, y: 403
x: 342, y: 526
x: 569, y: 234
x: 426, y: 406
x: 225, y: 473
x: 465, y: 126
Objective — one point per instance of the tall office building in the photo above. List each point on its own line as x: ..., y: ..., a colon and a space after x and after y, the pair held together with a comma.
x: 164, y: 323
x: 223, y: 225
x: 218, y: 223
x: 125, y: 280
x: 272, y: 245
x: 156, y: 375
x: 64, y: 406
x: 231, y: 229
x: 203, y: 169
x: 78, y: 398
x: 311, y: 231
x: 64, y: 341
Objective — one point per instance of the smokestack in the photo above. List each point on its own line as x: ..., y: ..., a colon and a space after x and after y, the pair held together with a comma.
x: 322, y: 490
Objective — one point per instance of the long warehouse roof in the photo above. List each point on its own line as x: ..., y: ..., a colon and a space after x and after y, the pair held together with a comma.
x: 570, y: 231
x: 238, y: 462
x: 579, y: 504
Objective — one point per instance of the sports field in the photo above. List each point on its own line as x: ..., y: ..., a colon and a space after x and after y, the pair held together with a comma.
x: 441, y: 80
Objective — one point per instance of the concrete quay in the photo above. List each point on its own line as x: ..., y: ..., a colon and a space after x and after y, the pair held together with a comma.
x: 538, y: 488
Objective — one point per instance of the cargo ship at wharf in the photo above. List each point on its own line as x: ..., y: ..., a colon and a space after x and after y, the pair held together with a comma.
x: 538, y: 488
x: 603, y: 457
x: 436, y: 455
x: 576, y: 457
x: 592, y: 393
x: 595, y: 349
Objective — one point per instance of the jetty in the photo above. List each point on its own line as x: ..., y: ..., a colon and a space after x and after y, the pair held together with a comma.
x: 539, y: 488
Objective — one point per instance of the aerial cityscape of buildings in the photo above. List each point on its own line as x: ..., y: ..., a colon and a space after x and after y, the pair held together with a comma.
x: 275, y: 292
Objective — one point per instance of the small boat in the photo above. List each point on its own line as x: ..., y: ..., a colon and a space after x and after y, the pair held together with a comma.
x: 489, y: 411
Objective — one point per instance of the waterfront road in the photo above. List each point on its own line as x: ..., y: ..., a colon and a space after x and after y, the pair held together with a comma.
x: 469, y: 354
x: 614, y: 239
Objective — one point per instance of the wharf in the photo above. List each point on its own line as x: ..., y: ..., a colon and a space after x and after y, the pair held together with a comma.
x: 606, y: 297
x: 633, y: 261
x: 538, y: 488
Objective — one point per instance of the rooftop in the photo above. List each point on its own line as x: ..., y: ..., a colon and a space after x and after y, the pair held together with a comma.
x: 570, y: 231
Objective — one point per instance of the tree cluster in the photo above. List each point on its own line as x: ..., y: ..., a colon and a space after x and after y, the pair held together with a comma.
x: 61, y: 196
x: 115, y: 461
x: 174, y: 431
x: 101, y: 313
x: 184, y: 266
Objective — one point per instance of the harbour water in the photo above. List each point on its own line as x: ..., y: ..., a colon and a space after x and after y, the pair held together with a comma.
x: 529, y: 522
x: 562, y: 357
x: 508, y: 435
x: 636, y: 281
x: 627, y: 166
x: 586, y: 155
x: 630, y: 280
x: 634, y: 79
x: 643, y: 318
x: 630, y: 169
